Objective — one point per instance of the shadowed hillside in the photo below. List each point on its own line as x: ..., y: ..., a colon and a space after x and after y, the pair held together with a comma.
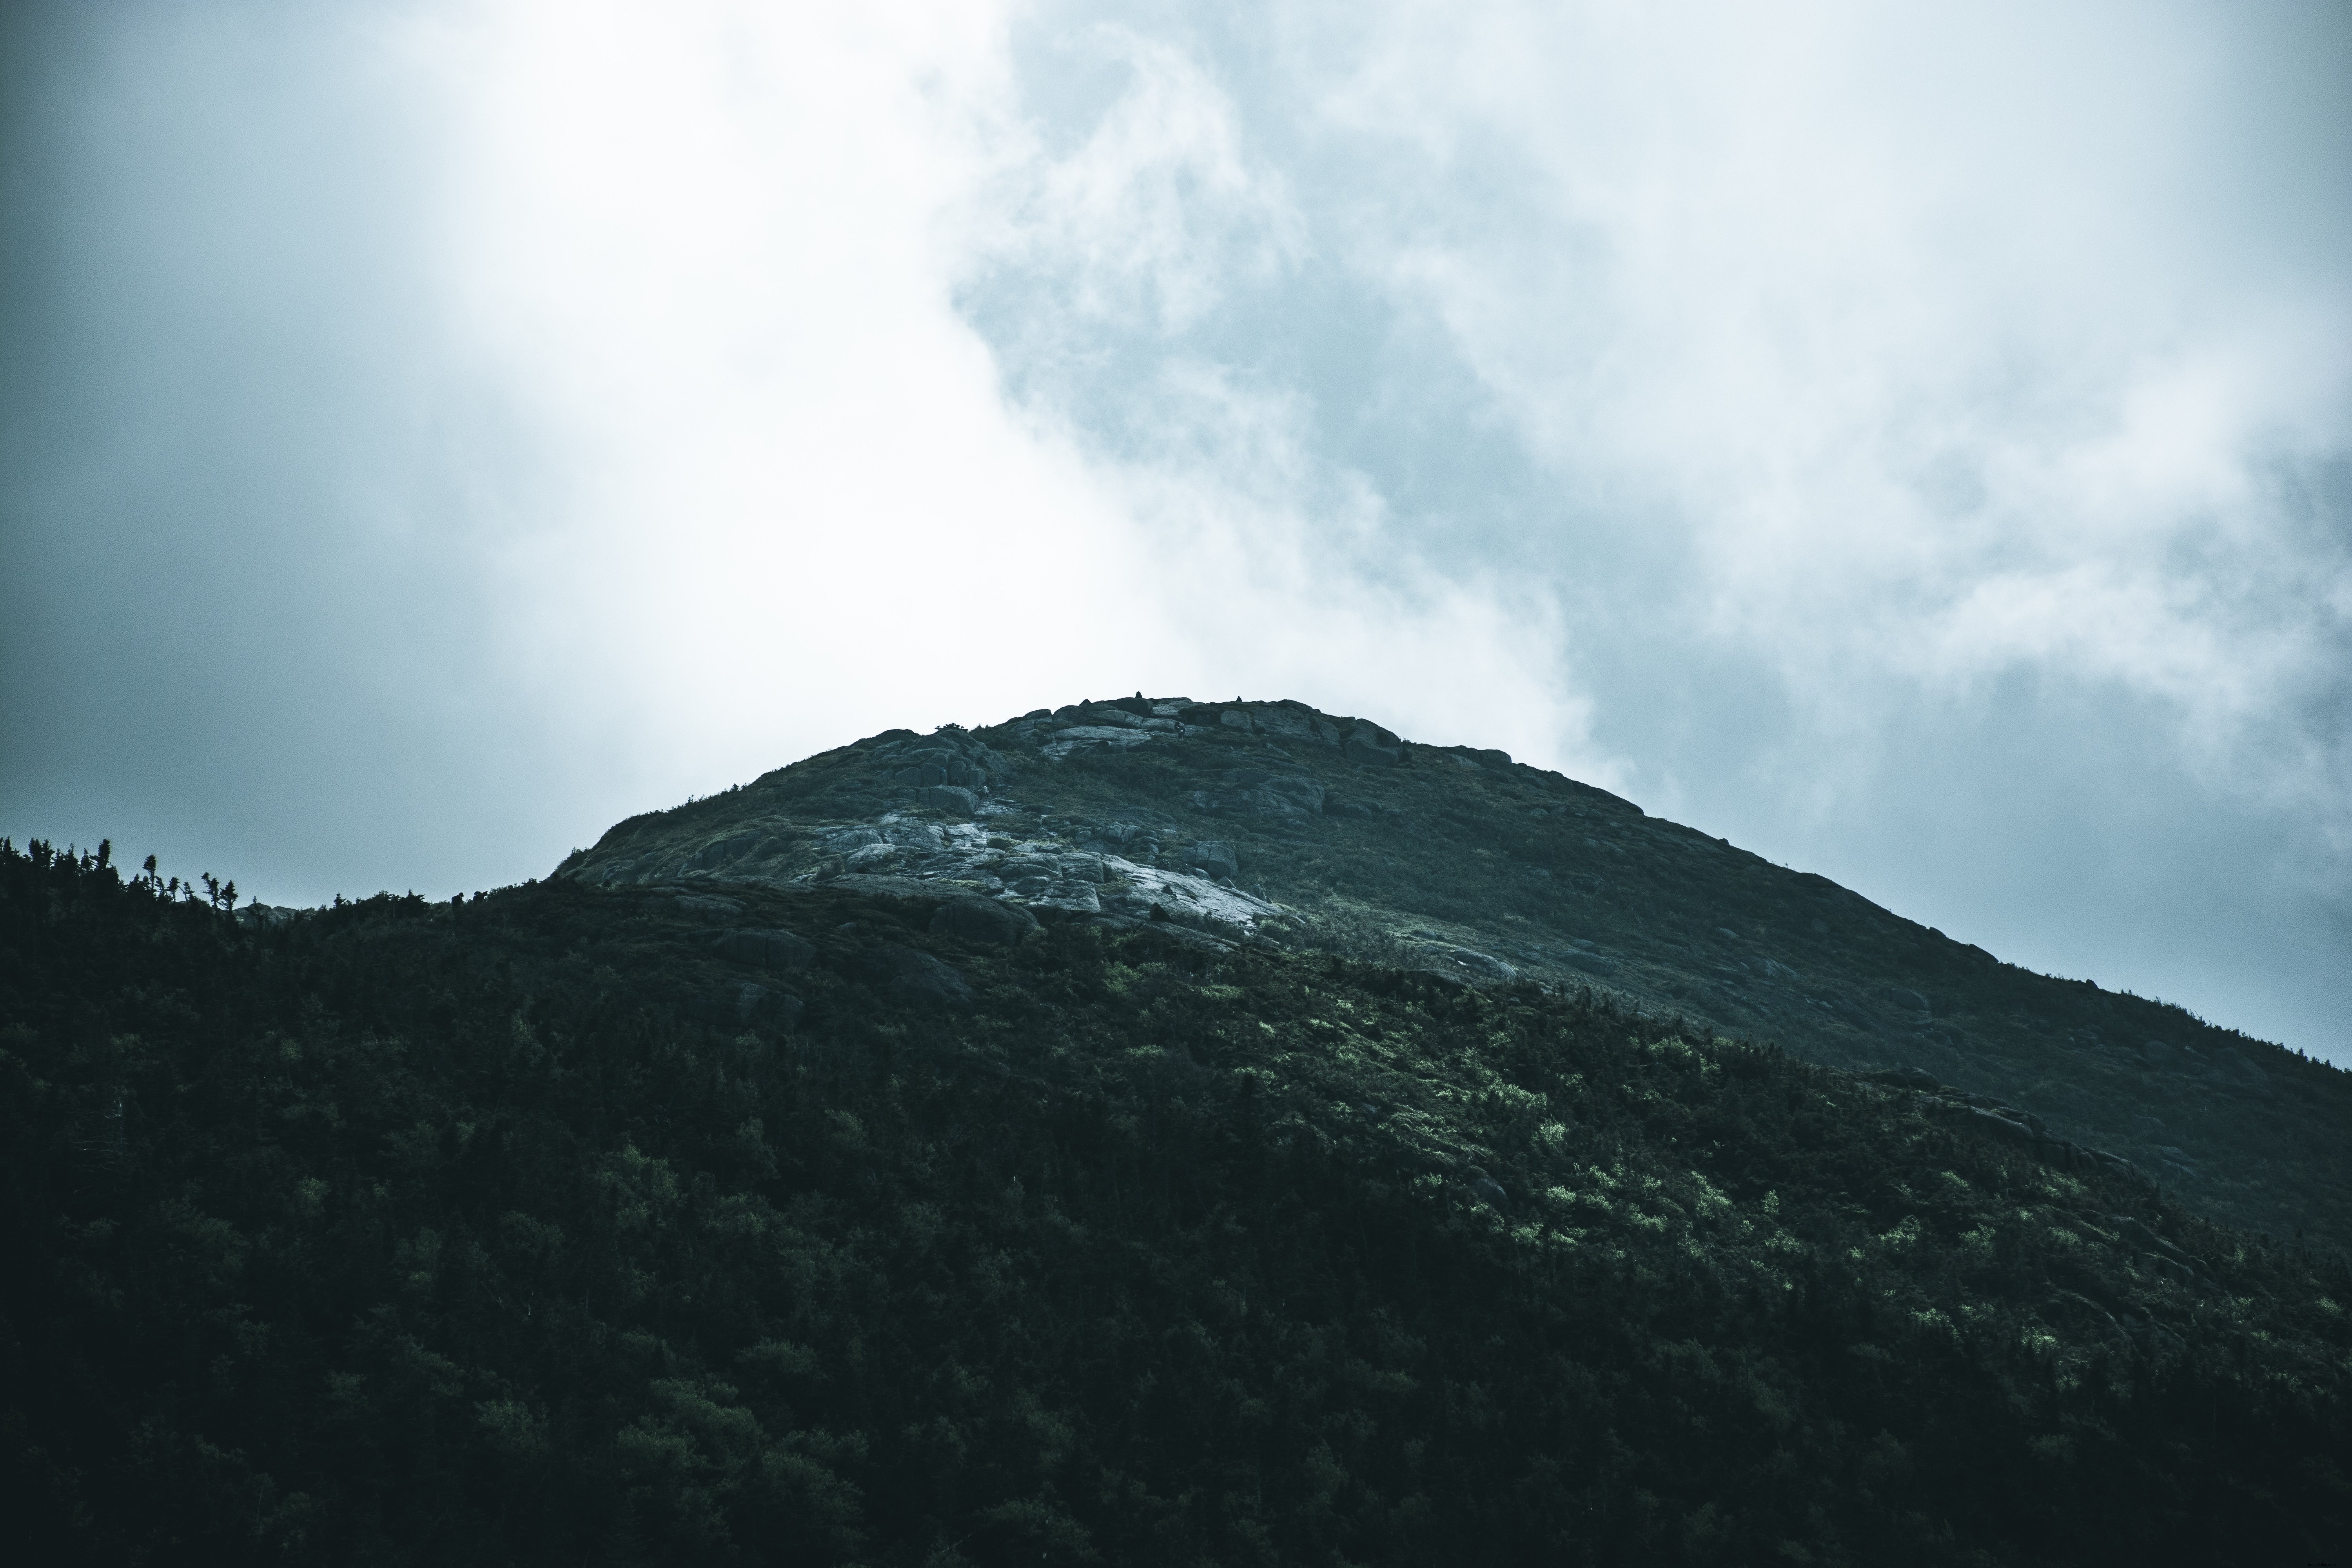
x: 819, y: 1223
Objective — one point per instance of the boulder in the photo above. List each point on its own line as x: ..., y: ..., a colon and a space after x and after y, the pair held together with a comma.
x: 983, y: 920
x: 1215, y: 857
x: 1369, y: 744
x: 771, y: 949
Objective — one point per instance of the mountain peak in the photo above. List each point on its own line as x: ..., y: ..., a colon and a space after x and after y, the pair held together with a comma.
x: 1257, y: 821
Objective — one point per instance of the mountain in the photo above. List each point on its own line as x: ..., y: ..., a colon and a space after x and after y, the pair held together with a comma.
x: 1270, y: 822
x: 1168, y: 1138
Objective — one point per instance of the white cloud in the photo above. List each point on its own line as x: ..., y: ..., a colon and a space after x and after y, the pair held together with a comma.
x: 1903, y: 335
x: 714, y: 254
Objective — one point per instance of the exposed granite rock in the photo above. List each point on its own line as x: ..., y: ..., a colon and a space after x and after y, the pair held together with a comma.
x: 1136, y: 891
x: 1093, y: 737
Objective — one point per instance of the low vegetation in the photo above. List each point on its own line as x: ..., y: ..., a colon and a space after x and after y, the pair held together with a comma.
x: 572, y: 1225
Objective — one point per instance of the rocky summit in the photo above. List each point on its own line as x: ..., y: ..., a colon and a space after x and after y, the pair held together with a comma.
x: 1271, y: 822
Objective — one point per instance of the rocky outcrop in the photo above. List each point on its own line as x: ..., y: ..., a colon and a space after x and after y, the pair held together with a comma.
x: 1093, y: 738
x: 983, y: 920
x: 1188, y: 900
x: 1367, y: 742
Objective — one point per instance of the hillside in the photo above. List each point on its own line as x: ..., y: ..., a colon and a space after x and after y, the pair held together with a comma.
x: 1269, y: 822
x: 844, y: 1221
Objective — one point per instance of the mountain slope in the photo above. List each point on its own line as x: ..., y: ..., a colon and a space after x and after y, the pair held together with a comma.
x: 1271, y: 822
x: 878, y: 1220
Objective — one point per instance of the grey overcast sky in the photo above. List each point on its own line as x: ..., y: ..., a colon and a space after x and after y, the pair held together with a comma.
x: 1912, y: 441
